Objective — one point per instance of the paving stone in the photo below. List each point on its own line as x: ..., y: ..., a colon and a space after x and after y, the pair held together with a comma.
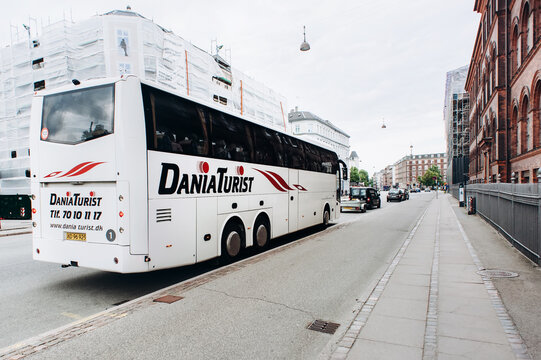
x: 375, y: 350
x: 402, y: 308
x: 394, y: 330
x: 474, y: 350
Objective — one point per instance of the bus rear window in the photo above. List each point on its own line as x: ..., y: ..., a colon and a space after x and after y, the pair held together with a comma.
x: 78, y: 116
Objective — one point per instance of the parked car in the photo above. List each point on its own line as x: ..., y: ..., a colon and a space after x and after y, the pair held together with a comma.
x: 395, y: 195
x: 370, y: 195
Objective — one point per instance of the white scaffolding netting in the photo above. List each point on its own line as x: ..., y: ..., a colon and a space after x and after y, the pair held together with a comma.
x: 116, y: 43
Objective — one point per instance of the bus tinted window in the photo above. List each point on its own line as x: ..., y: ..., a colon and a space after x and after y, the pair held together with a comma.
x: 231, y: 139
x: 77, y: 116
x: 176, y: 125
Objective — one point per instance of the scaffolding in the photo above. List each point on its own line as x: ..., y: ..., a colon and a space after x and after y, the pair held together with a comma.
x: 108, y: 45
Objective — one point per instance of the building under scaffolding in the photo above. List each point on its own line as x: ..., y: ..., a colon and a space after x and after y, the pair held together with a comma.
x: 457, y: 131
x: 116, y: 43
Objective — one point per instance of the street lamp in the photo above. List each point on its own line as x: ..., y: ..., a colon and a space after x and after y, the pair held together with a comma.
x: 305, y: 46
x: 411, y: 165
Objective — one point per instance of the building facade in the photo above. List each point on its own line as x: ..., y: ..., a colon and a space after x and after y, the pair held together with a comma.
x: 457, y: 130
x: 409, y: 168
x: 504, y: 83
x: 307, y: 125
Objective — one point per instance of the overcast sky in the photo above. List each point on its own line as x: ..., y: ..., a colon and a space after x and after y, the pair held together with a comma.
x: 369, y: 60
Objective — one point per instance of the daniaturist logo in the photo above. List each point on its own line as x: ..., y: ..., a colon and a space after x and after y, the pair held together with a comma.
x: 171, y: 181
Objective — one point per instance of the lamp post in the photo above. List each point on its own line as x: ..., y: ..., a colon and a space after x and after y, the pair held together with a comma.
x: 411, y: 166
x: 304, y: 45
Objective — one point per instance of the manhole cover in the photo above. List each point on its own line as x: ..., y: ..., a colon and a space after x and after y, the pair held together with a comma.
x: 497, y: 273
x: 168, y: 299
x: 323, y: 326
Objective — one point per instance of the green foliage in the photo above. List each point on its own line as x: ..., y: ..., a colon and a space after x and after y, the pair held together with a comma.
x: 428, y: 178
x: 363, y: 176
x: 354, y: 175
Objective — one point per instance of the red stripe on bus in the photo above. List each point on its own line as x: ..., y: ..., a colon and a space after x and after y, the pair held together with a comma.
x: 76, y: 168
x: 280, y: 180
x: 86, y: 168
x: 272, y: 181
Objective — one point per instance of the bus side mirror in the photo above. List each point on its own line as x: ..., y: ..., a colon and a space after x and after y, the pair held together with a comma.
x: 344, y: 170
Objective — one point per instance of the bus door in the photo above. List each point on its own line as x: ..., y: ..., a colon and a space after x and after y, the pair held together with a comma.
x: 293, y: 199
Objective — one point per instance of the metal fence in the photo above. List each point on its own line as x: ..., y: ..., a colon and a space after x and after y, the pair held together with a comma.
x: 514, y: 210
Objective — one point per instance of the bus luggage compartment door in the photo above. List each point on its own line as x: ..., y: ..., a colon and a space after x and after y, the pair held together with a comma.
x: 293, y: 216
x: 207, y: 228
x: 172, y: 232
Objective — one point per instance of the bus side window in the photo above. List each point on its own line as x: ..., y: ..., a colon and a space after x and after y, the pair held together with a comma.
x: 230, y: 138
x: 181, y: 126
x: 278, y: 148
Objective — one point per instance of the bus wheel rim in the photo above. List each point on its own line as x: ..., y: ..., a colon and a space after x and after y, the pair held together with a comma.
x: 261, y: 235
x: 233, y: 243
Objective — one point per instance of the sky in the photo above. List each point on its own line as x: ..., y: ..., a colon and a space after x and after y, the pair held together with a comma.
x: 370, y: 61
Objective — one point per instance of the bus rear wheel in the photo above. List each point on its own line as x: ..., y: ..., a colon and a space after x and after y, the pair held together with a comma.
x: 232, y: 241
x: 261, y: 234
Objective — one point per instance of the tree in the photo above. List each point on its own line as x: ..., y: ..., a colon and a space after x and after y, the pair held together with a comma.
x: 354, y: 175
x: 363, y: 176
x: 428, y: 178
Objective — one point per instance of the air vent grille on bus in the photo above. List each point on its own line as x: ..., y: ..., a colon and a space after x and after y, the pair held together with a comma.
x: 163, y: 215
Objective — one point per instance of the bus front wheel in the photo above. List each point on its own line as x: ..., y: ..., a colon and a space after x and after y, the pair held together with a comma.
x: 326, y: 217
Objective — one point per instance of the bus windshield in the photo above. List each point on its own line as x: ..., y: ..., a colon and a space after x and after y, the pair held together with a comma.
x: 78, y: 116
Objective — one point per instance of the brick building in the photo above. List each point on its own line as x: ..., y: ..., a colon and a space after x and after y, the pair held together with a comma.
x: 504, y: 83
x: 409, y: 168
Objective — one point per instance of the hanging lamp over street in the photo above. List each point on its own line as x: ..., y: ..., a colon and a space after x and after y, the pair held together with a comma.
x: 305, y: 46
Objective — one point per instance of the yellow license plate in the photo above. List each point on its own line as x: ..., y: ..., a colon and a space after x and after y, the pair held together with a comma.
x: 348, y: 208
x: 75, y: 236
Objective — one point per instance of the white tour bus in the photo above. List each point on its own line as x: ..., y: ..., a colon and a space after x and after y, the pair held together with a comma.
x: 127, y: 177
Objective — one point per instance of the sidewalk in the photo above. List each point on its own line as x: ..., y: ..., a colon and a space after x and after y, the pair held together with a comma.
x: 432, y: 303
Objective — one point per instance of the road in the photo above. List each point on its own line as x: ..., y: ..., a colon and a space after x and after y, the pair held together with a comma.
x: 341, y: 264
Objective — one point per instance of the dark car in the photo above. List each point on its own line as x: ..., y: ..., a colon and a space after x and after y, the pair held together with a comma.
x: 395, y: 195
x: 368, y: 194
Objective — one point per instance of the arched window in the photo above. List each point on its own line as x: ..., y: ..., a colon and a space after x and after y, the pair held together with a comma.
x: 514, y: 50
x: 493, y: 135
x: 536, y: 115
x: 514, y: 133
x: 493, y: 68
x: 524, y: 125
x: 527, y: 31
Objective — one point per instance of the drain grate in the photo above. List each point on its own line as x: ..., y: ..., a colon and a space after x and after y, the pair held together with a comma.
x: 323, y: 326
x: 497, y: 273
x: 168, y: 299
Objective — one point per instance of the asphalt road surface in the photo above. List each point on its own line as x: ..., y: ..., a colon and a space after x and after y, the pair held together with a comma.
x: 340, y: 265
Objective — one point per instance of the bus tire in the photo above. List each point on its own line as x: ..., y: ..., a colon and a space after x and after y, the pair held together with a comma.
x: 261, y: 233
x: 232, y: 240
x: 326, y: 216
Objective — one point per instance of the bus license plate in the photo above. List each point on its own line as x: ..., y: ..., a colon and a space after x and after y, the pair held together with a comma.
x: 348, y: 208
x: 75, y: 236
